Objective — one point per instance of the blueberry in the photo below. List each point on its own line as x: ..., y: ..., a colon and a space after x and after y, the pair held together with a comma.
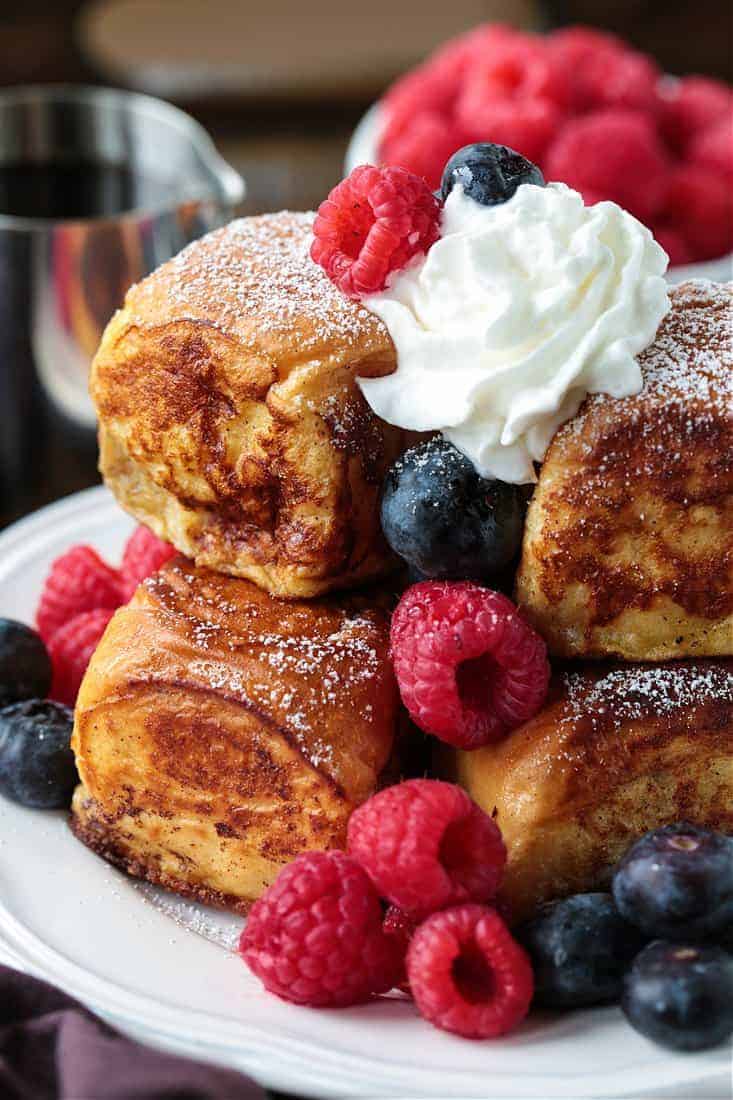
x: 445, y: 520
x: 36, y: 762
x: 580, y: 948
x: 489, y: 174
x: 676, y: 883
x: 25, y: 667
x: 680, y: 995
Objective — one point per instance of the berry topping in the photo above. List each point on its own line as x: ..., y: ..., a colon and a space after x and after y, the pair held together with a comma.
x: 144, y: 555
x: 676, y: 883
x: 78, y: 581
x: 469, y: 668
x: 424, y: 146
x: 604, y: 72
x: 372, y: 224
x: 615, y: 153
x: 401, y: 928
x: 580, y: 948
x: 681, y: 995
x: 445, y: 520
x: 36, y: 763
x: 467, y: 974
x: 315, y: 936
x: 528, y: 125
x: 425, y: 844
x: 713, y: 150
x: 25, y: 668
x: 488, y: 173
x: 71, y: 649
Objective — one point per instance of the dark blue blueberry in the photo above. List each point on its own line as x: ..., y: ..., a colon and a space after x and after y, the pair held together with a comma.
x: 445, y: 520
x: 580, y: 948
x: 681, y: 995
x: 25, y: 667
x: 676, y: 883
x: 36, y: 762
x: 489, y: 174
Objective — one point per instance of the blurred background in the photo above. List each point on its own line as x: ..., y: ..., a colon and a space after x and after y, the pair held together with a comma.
x: 280, y: 86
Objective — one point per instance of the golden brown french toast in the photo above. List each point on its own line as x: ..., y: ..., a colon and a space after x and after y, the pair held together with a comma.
x: 615, y: 752
x: 219, y: 731
x: 628, y: 545
x: 231, y: 422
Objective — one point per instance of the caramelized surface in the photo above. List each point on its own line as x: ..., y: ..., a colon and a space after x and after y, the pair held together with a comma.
x: 230, y: 417
x: 615, y: 752
x: 220, y: 731
x: 628, y: 548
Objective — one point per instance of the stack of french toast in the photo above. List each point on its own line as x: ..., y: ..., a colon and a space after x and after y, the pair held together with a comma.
x: 244, y: 702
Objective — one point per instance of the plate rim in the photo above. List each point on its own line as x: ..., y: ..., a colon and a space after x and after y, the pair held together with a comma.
x: 283, y: 1062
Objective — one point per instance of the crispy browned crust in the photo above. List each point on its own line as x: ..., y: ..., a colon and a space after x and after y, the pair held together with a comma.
x: 231, y: 422
x: 615, y: 752
x: 628, y: 547
x: 219, y: 731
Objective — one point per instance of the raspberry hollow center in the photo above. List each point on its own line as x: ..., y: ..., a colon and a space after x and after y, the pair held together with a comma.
x: 472, y: 975
x: 475, y: 680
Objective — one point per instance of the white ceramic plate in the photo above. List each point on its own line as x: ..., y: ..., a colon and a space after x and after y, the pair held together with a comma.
x: 163, y: 969
x: 362, y: 149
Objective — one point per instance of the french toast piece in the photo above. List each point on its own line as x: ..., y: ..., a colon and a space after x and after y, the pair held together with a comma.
x: 230, y: 418
x: 628, y: 545
x: 616, y: 751
x: 219, y: 731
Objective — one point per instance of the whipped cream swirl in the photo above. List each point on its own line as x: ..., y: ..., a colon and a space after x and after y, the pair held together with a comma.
x: 514, y: 315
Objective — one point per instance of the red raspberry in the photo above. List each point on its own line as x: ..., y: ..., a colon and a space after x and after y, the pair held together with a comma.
x: 713, y: 149
x: 691, y: 105
x: 426, y: 844
x: 616, y: 154
x: 700, y: 207
x: 78, y: 581
x: 144, y: 555
x: 418, y: 92
x: 70, y: 649
x: 674, y: 245
x: 526, y: 125
x: 315, y: 936
x: 424, y: 147
x: 604, y: 72
x: 520, y: 67
x: 469, y: 668
x: 372, y: 224
x: 468, y: 975
x: 401, y: 928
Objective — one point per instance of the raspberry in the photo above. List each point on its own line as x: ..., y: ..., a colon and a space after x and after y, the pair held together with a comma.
x: 401, y: 928
x: 525, y: 125
x: 713, y: 149
x: 469, y: 668
x: 604, y: 72
x: 520, y: 68
x: 424, y: 148
x: 144, y: 555
x: 691, y: 105
x: 700, y: 207
x: 426, y: 844
x: 467, y: 974
x: 418, y: 92
x: 371, y: 224
x: 674, y: 245
x: 78, y: 581
x: 315, y: 937
x: 70, y: 649
x: 613, y: 153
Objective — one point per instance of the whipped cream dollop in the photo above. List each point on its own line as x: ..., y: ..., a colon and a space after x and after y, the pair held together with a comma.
x: 513, y: 316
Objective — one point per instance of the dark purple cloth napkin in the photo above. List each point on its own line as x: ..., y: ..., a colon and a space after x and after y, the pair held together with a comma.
x: 51, y: 1048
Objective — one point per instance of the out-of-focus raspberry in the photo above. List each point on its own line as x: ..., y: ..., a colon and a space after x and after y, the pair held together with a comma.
x: 616, y: 154
x: 712, y: 150
x: 424, y: 147
x: 691, y: 105
x: 144, y: 555
x: 700, y: 207
x: 70, y: 649
x: 78, y: 581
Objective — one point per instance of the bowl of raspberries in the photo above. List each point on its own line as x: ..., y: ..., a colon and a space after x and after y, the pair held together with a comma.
x: 589, y: 110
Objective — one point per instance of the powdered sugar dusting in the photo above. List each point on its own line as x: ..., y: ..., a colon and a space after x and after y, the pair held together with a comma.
x: 255, y: 277
x: 636, y: 693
